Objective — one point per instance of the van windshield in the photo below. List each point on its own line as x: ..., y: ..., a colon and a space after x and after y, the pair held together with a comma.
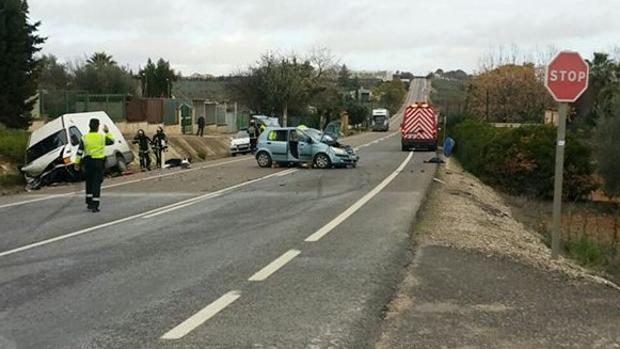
x: 48, y: 144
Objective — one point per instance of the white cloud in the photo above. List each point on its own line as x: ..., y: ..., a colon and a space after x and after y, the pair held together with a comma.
x: 219, y: 37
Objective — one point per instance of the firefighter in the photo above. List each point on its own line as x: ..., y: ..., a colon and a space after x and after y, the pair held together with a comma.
x: 92, y: 150
x: 143, y: 141
x: 253, y: 132
x: 159, y: 144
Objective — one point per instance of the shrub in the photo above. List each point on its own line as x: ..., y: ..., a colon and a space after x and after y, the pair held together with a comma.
x: 522, y: 160
x: 13, y: 143
x: 588, y: 252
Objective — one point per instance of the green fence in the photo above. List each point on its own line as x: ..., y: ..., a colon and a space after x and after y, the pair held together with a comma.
x: 55, y: 103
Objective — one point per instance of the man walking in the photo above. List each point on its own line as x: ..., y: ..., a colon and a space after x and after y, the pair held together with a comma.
x: 201, y: 126
x: 92, y: 149
x: 159, y: 146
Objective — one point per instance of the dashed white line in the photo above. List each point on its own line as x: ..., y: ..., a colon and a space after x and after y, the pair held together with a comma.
x: 274, y: 266
x: 356, y: 206
x: 202, y: 316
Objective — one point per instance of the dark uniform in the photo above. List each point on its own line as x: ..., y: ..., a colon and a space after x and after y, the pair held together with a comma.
x: 143, y: 149
x: 159, y: 145
x: 91, y: 154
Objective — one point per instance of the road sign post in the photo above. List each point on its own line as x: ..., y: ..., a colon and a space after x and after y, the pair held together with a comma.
x: 566, y: 79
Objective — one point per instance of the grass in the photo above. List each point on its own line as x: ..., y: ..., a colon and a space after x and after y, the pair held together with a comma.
x: 13, y: 144
x: 202, y: 154
x: 589, y: 253
x: 10, y: 180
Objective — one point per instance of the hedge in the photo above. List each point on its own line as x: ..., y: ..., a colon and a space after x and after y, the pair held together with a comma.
x: 521, y: 161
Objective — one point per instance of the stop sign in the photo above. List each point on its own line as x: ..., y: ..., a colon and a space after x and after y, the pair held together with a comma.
x: 567, y: 76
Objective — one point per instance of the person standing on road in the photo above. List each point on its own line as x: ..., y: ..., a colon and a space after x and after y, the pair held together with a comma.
x: 160, y: 144
x: 201, y: 126
x: 143, y: 142
x: 253, y: 132
x: 92, y: 150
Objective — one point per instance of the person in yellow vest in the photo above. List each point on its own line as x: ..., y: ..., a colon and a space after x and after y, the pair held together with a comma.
x: 92, y: 154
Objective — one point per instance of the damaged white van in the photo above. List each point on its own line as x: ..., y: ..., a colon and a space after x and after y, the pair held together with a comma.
x: 52, y: 149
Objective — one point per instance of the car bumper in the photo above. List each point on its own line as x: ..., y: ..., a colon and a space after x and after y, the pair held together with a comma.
x: 419, y: 143
x: 345, y: 159
x: 240, y: 149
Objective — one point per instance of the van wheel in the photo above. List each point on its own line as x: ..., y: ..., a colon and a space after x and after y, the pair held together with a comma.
x: 405, y: 148
x: 263, y: 159
x: 121, y: 165
x: 322, y: 161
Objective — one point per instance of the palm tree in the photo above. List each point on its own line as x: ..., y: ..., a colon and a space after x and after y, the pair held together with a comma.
x: 101, y: 59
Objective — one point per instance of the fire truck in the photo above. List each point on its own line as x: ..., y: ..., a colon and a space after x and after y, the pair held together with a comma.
x: 419, y: 128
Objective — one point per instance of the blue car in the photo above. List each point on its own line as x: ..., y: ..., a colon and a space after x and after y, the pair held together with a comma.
x: 290, y: 145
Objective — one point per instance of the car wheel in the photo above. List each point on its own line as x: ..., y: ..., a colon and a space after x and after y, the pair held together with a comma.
x: 322, y: 161
x: 121, y: 165
x: 233, y: 155
x: 263, y: 159
x: 404, y: 148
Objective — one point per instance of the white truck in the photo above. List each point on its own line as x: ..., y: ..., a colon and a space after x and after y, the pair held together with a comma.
x: 52, y: 149
x: 380, y: 120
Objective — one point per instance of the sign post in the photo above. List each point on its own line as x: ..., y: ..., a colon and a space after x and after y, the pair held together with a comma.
x: 566, y: 79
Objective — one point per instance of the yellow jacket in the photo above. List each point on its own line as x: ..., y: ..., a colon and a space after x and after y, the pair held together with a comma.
x: 93, y: 146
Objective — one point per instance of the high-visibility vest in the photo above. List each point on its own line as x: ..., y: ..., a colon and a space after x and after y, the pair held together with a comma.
x: 93, y: 146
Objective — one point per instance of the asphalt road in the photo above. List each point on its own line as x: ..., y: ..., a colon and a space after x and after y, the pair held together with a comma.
x: 226, y: 255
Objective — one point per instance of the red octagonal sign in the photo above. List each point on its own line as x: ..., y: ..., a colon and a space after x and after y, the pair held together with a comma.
x: 567, y: 76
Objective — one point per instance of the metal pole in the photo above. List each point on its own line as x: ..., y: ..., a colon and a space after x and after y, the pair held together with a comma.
x: 559, y: 176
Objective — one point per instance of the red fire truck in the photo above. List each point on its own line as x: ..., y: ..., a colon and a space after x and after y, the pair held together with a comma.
x: 419, y: 127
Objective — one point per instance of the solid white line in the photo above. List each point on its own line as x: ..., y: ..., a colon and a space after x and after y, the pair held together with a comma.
x: 178, y: 207
x: 285, y: 173
x: 356, y: 206
x: 174, y: 173
x: 150, y: 213
x: 37, y: 199
x: 202, y: 316
x: 216, y: 194
x: 274, y: 266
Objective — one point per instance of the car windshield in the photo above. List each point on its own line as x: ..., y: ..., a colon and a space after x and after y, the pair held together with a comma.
x: 48, y: 144
x: 241, y: 134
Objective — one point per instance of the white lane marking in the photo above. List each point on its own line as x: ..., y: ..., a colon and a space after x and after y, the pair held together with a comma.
x: 356, y: 206
x: 174, y: 173
x: 216, y: 194
x: 285, y: 173
x: 37, y: 200
x: 274, y: 266
x: 152, y: 212
x: 202, y: 316
x: 178, y: 207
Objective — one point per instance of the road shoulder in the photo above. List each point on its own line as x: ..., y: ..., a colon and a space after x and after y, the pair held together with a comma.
x: 480, y: 279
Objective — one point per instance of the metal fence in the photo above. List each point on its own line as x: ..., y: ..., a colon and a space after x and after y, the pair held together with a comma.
x: 55, y: 103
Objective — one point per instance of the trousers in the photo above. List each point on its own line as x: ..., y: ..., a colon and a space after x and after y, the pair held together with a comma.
x: 93, y: 169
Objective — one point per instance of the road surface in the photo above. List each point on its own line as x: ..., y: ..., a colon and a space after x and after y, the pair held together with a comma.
x: 226, y: 255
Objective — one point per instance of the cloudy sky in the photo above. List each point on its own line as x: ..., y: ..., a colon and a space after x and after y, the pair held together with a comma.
x: 224, y: 36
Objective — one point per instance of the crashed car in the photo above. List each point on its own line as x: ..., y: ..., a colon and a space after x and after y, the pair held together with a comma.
x: 52, y: 149
x: 289, y: 145
x: 240, y: 143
